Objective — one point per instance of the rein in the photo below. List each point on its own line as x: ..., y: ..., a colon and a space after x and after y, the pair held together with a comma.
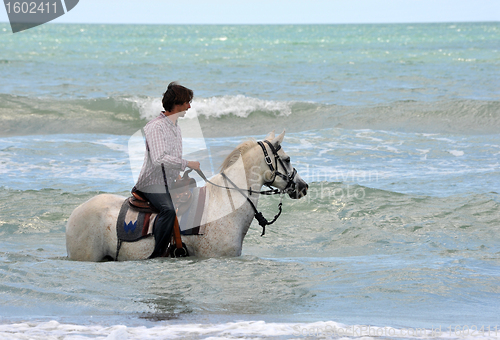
x: 263, y: 222
x: 271, y: 191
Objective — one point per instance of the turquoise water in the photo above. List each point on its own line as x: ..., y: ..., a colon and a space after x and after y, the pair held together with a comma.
x: 337, y: 64
x: 394, y: 127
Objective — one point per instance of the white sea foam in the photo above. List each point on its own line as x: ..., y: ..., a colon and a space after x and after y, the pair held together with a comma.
x: 456, y: 153
x: 149, y: 107
x: 239, y: 105
x: 231, y: 330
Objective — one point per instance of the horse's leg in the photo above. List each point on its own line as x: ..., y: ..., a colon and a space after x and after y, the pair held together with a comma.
x: 91, y: 229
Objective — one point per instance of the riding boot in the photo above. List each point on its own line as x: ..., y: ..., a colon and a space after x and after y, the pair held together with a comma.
x: 162, y: 231
x: 164, y: 222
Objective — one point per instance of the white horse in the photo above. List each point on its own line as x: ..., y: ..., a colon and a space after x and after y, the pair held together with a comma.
x: 91, y: 229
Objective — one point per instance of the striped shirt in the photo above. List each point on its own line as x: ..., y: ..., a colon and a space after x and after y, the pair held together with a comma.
x: 164, y: 143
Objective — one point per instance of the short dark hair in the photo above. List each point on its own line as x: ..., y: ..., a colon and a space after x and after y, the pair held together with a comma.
x: 176, y: 95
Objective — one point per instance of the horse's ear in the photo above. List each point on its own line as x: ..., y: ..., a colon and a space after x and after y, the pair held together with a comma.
x: 278, y: 140
x: 270, y: 136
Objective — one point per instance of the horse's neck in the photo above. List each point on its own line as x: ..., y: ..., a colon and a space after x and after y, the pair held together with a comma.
x: 228, y: 214
x: 231, y: 195
x: 243, y: 176
x: 229, y: 199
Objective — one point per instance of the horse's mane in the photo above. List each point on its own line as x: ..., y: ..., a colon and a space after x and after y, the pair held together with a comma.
x: 236, y: 153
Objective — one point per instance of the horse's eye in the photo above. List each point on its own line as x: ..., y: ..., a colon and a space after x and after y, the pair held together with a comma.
x: 286, y: 160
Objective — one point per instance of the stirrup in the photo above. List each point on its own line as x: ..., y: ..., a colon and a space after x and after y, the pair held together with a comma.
x: 174, y: 251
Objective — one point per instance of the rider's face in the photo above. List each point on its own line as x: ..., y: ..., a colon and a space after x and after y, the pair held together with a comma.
x: 186, y: 106
x: 181, y: 109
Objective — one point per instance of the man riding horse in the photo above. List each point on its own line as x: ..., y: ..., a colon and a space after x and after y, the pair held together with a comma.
x: 163, y: 162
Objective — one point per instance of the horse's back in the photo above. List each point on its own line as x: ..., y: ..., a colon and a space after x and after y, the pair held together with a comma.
x: 91, y: 228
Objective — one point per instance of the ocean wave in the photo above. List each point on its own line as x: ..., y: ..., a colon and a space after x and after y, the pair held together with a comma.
x: 239, y: 106
x: 456, y: 117
x: 21, y: 115
x: 242, y: 116
x: 239, y: 330
x: 217, y: 107
x: 360, y: 220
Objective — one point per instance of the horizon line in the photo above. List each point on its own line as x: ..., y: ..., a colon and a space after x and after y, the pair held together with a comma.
x: 269, y: 24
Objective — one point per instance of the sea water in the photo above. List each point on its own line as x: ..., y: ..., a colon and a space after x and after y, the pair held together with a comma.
x: 394, y: 127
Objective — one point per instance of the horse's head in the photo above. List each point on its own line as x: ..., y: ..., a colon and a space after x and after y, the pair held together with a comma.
x: 281, y: 173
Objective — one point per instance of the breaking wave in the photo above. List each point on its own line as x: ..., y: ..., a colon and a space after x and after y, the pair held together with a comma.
x: 235, y: 115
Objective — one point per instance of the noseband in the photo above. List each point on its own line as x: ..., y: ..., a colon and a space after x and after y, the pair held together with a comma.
x: 289, y: 177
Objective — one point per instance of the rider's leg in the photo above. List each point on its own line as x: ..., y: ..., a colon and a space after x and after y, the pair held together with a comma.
x: 164, y: 222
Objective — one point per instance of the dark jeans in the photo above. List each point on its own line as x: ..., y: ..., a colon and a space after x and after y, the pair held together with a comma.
x: 160, y: 198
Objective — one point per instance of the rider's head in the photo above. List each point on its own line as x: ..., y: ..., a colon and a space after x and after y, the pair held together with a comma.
x: 176, y: 95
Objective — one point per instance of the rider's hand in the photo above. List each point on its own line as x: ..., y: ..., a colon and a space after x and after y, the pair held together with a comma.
x: 194, y: 165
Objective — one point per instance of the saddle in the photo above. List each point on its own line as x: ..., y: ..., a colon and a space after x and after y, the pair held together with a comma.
x: 141, y: 225
x: 180, y: 193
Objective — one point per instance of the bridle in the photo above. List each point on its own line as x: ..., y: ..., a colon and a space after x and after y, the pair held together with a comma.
x: 289, y: 177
